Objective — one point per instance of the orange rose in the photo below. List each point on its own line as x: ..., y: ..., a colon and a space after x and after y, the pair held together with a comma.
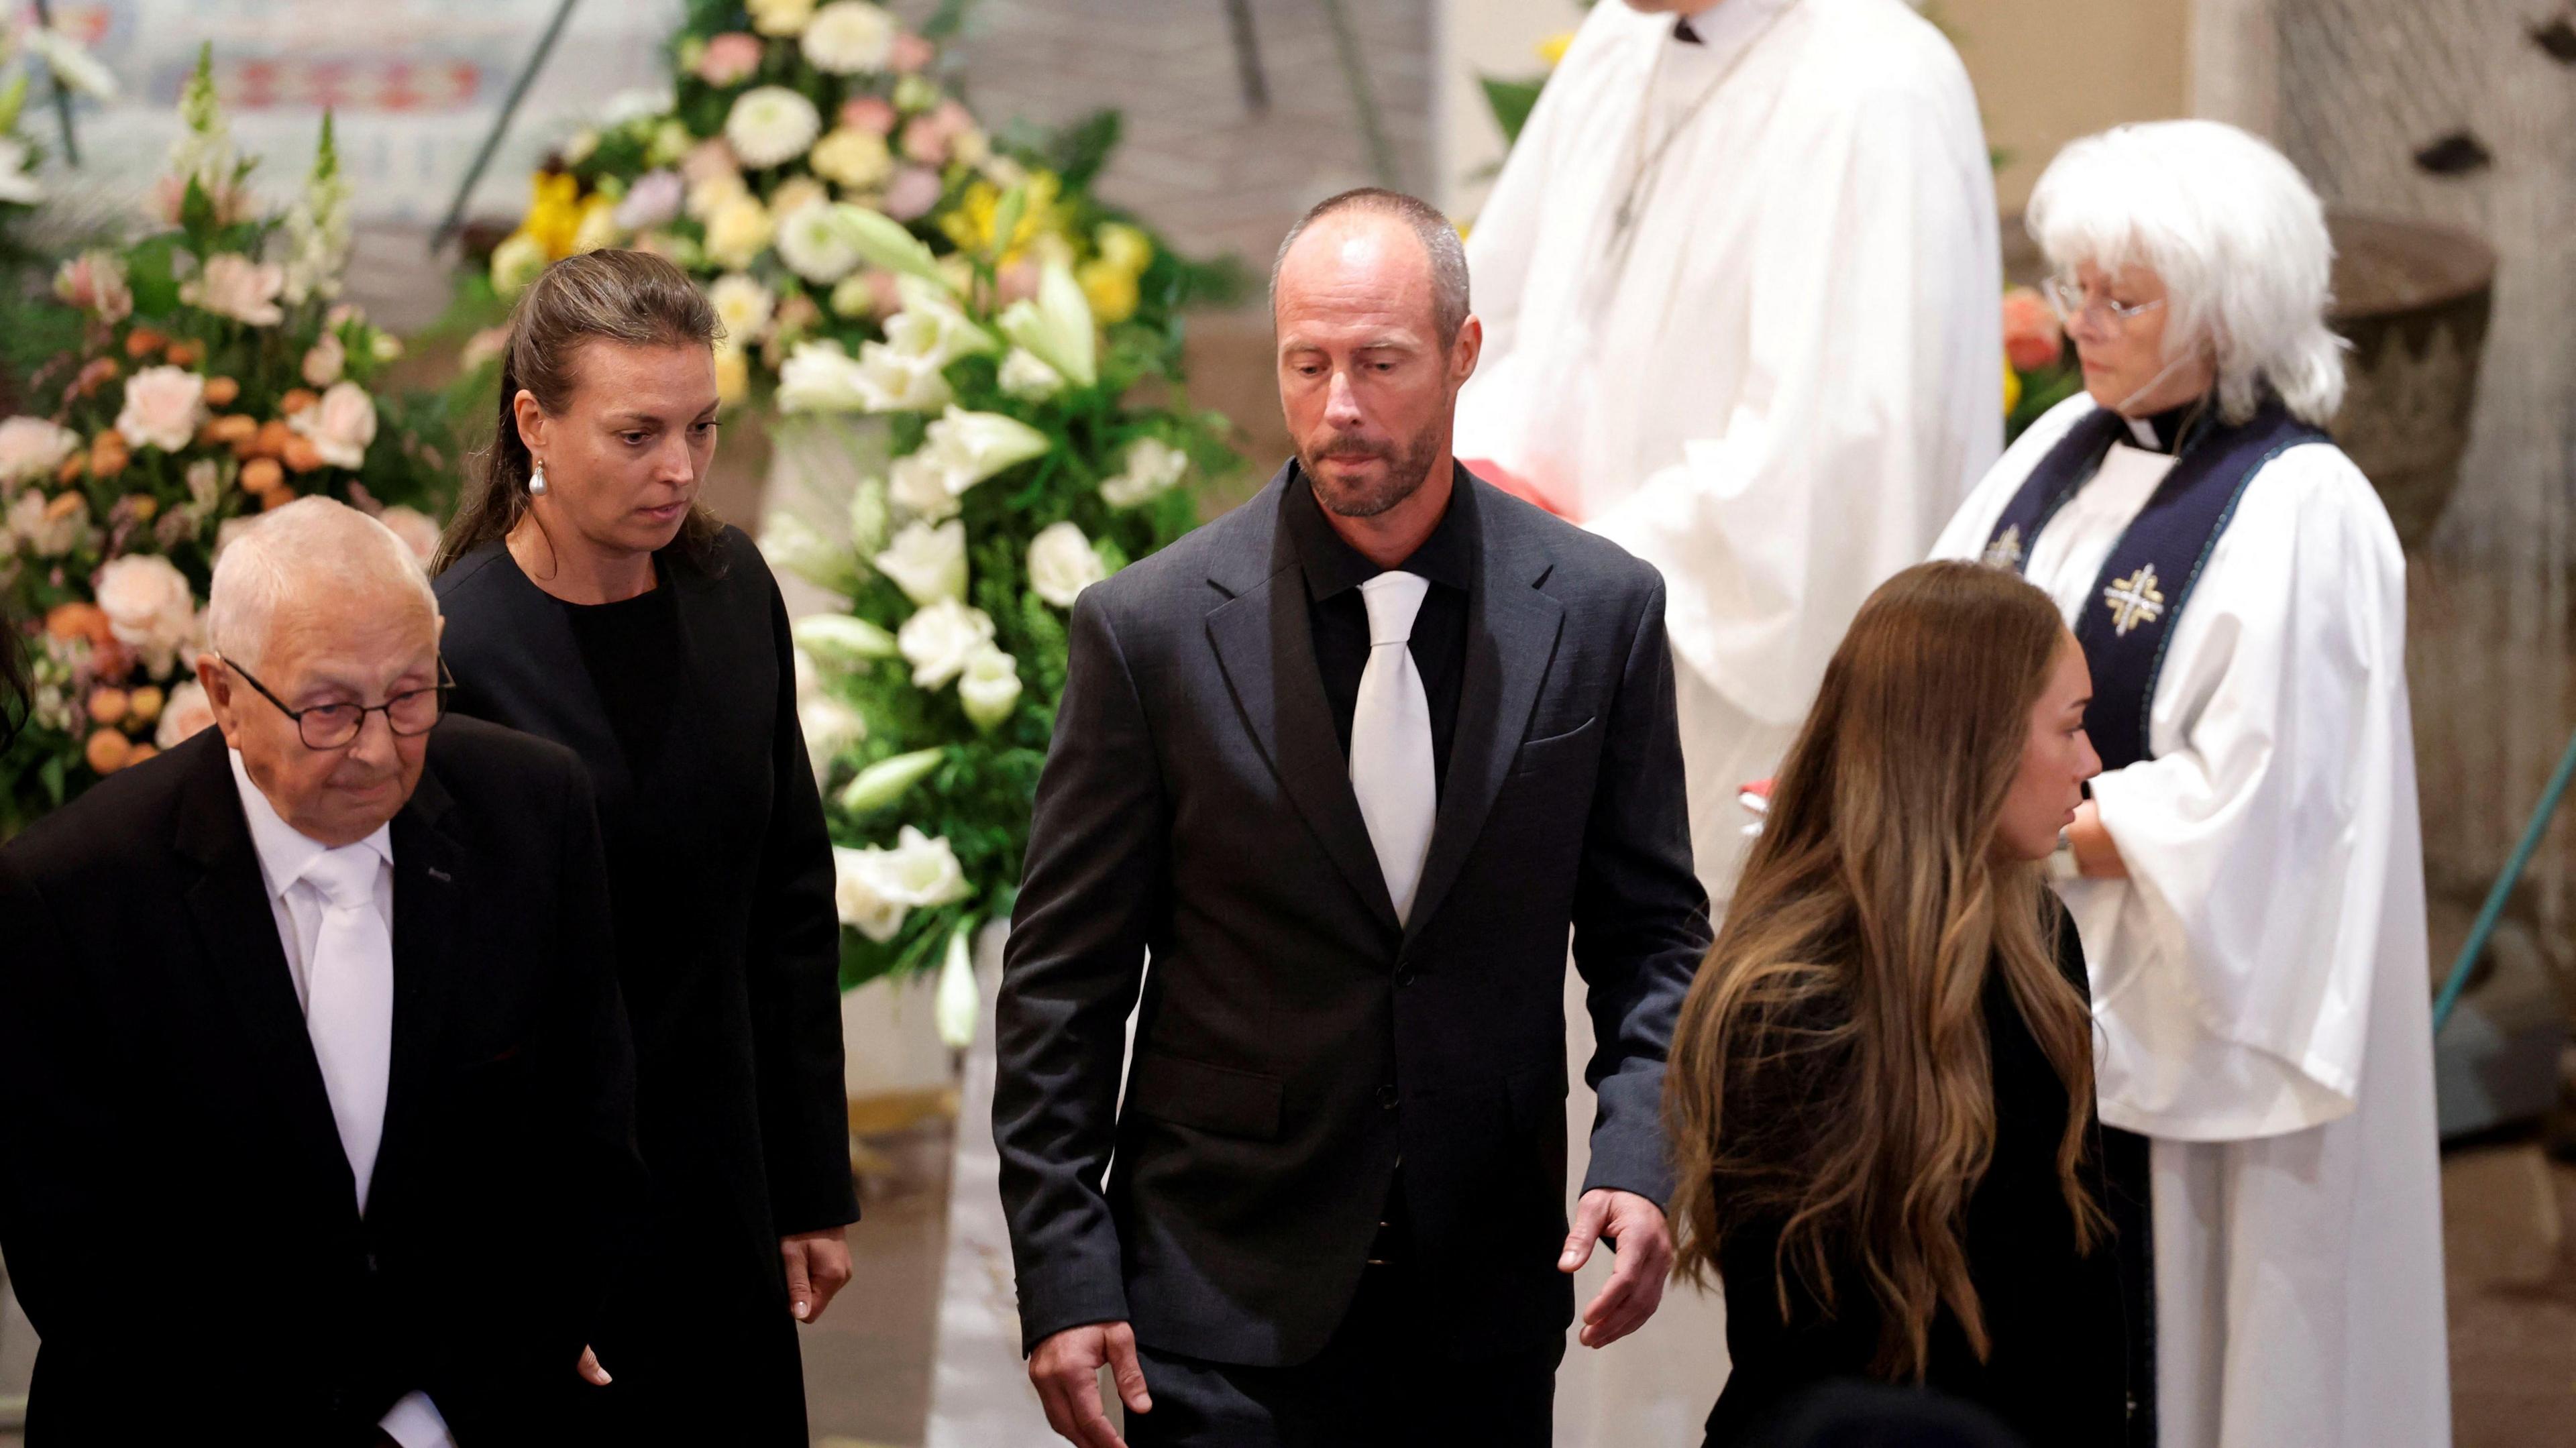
x: 234, y: 430
x: 95, y: 375
x: 297, y: 400
x: 142, y: 342
x: 274, y: 435
x: 220, y: 391
x: 72, y: 468
x: 2032, y: 338
x: 301, y: 455
x: 108, y: 751
x: 106, y: 706
x: 259, y: 475
x: 186, y: 354
x: 69, y: 621
x: 277, y: 497
x: 108, y: 456
x: 143, y: 705
x: 140, y: 753
x: 65, y: 505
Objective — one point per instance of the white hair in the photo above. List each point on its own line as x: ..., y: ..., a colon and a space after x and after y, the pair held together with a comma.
x: 2235, y: 233
x: 312, y: 551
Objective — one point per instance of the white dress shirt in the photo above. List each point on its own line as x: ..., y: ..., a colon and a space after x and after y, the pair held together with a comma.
x: 297, y: 904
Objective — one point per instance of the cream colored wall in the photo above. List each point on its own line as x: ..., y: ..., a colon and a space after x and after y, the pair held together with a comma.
x: 2046, y: 71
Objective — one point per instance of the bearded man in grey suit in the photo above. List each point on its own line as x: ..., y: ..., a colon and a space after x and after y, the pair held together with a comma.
x: 1347, y: 766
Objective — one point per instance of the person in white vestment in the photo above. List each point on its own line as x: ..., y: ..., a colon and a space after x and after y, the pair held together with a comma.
x: 1742, y: 303
x: 2248, y: 884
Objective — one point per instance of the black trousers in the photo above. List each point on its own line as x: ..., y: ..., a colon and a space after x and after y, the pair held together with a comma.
x: 1376, y: 1384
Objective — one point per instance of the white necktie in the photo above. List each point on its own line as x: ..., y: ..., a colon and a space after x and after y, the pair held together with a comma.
x: 1391, y: 763
x: 349, y: 1002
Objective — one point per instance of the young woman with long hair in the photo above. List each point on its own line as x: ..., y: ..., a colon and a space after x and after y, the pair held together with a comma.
x: 1881, y: 1086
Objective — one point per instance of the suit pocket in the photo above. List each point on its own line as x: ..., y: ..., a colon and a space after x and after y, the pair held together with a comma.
x: 1538, y: 754
x: 1219, y: 1099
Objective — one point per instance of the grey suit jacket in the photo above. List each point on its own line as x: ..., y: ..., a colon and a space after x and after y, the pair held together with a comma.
x: 1295, y: 1041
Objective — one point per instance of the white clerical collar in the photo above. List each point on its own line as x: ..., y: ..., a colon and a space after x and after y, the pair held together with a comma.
x: 285, y: 852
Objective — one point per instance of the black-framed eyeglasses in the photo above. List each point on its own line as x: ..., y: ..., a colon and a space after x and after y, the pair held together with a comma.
x: 408, y: 714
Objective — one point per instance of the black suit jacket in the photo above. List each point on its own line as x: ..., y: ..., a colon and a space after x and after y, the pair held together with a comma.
x: 176, y: 1209
x: 1294, y: 1041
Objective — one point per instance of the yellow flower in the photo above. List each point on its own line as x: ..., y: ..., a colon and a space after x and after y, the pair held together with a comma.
x: 733, y: 373
x: 970, y: 226
x: 852, y: 157
x: 1111, y: 290
x: 781, y: 17
x: 2012, y: 389
x: 598, y: 226
x: 739, y: 232
x: 1124, y: 247
x: 1552, y: 49
x: 554, y: 212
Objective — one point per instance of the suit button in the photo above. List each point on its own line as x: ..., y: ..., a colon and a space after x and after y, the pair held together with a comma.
x: 1386, y: 1097
x: 1405, y: 974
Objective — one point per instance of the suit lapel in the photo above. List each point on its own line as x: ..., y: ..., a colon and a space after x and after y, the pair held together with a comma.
x: 237, y: 938
x: 1264, y: 645
x: 1511, y: 640
x: 429, y: 871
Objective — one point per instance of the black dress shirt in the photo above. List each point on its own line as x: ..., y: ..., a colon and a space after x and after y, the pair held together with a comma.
x: 1337, y: 616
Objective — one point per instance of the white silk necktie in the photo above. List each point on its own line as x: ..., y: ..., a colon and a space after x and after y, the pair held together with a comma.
x: 1392, y: 770
x: 349, y: 1002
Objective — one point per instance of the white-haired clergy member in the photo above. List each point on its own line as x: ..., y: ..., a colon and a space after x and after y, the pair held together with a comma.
x: 2247, y: 876
x: 315, y: 1094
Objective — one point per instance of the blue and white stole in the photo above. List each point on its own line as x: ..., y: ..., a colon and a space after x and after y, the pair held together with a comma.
x: 2151, y: 571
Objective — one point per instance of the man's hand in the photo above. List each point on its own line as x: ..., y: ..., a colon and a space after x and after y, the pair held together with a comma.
x: 1066, y: 1372
x: 1634, y: 1228
x: 590, y: 1370
x: 818, y: 1265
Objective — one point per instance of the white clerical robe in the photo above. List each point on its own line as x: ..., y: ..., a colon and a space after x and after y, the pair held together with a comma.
x: 2260, y: 980
x: 1775, y: 386
x: 1783, y: 378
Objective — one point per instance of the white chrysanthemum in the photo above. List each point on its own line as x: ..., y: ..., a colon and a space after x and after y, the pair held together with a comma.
x: 847, y: 37
x: 744, y: 306
x: 771, y: 125
x: 817, y: 244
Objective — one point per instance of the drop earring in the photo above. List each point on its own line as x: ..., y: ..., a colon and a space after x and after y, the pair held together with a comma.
x: 537, y: 480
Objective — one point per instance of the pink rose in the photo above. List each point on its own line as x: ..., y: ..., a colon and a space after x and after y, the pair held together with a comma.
x: 184, y: 714
x: 95, y: 281
x: 340, y: 425
x: 414, y: 528
x: 869, y: 113
x: 709, y: 160
x: 731, y: 58
x: 925, y: 139
x: 232, y: 285
x: 163, y: 406
x: 911, y: 54
x: 913, y: 192
x: 322, y: 365
x: 2032, y: 338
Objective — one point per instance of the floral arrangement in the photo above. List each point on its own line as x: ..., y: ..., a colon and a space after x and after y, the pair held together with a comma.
x: 26, y: 48
x: 2038, y: 371
x: 210, y: 383
x: 784, y: 114
x: 1025, y: 463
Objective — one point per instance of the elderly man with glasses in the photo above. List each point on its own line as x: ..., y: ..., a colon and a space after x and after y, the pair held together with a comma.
x: 315, y: 1091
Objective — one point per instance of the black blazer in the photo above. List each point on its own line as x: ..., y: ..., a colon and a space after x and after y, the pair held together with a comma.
x: 1294, y: 1041
x: 174, y: 1202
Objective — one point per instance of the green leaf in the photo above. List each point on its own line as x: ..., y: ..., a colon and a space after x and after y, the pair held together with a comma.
x: 1079, y: 152
x: 1512, y: 101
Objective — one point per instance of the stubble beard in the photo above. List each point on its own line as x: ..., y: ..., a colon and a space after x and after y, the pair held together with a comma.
x: 1408, y: 467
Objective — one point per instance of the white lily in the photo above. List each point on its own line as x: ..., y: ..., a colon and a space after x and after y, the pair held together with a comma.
x: 928, y: 563
x: 1056, y: 325
x: 1153, y: 466
x: 840, y: 642
x: 1027, y: 378
x: 791, y: 543
x: 989, y: 688
x: 941, y: 638
x: 885, y: 243
x: 884, y: 782
x: 956, y: 1004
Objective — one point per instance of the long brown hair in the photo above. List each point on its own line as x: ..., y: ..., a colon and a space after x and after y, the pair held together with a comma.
x: 629, y: 297
x: 1840, y: 1012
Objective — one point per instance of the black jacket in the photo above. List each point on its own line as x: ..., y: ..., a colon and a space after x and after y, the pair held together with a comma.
x: 175, y: 1204
x: 1294, y: 1042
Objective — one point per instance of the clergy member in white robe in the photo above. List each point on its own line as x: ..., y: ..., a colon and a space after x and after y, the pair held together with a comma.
x: 1741, y: 299
x: 2247, y: 878
x: 1740, y: 287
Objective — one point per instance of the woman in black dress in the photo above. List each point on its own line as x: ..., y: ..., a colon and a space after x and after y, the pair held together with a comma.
x: 1881, y: 1085
x: 589, y: 601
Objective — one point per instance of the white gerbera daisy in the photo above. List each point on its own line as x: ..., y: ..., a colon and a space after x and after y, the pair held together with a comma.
x: 850, y: 36
x: 744, y: 307
x: 771, y: 125
x: 816, y: 243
